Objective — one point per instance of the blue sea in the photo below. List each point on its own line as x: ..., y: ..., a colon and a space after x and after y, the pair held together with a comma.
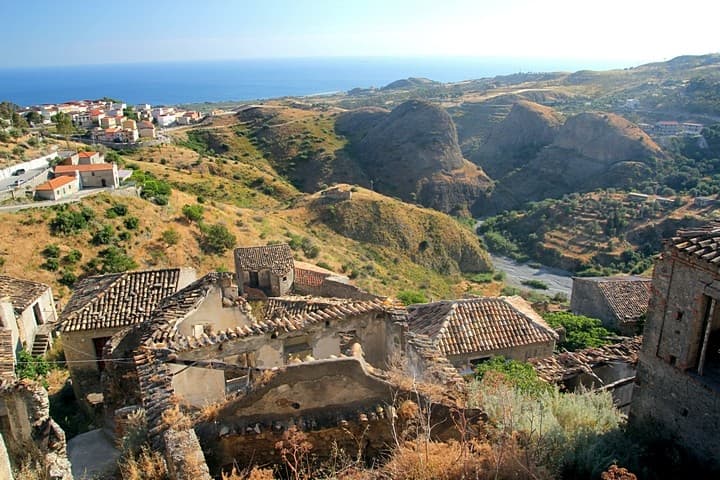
x: 216, y: 81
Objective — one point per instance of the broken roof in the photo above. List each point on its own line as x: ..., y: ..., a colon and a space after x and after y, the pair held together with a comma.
x: 479, y: 324
x: 702, y: 243
x: 276, y: 258
x: 561, y: 366
x: 117, y: 299
x: 22, y: 293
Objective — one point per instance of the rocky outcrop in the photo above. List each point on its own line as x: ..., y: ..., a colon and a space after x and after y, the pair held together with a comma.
x: 519, y: 137
x: 413, y: 153
x: 589, y: 151
x: 412, y: 82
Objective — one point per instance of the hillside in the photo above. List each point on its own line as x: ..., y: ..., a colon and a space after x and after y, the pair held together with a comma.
x: 429, y: 238
x: 413, y: 153
x: 587, y: 151
x: 597, y: 233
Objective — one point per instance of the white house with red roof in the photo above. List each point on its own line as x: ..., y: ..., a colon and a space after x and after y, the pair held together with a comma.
x: 57, y: 188
x: 92, y: 175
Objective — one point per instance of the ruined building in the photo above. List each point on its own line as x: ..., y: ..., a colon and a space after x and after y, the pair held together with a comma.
x: 333, y: 368
x: 471, y: 330
x: 265, y: 271
x: 103, y: 305
x: 678, y: 377
x: 620, y: 302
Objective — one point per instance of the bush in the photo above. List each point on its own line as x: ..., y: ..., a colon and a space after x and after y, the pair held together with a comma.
x: 67, y: 278
x: 193, y: 213
x: 409, y: 297
x: 50, y: 264
x: 51, y: 251
x: 580, y: 331
x: 520, y: 375
x: 170, y: 236
x: 536, y: 284
x: 72, y: 257
x: 69, y: 222
x: 111, y: 260
x: 118, y: 210
x: 216, y: 239
x: 132, y: 223
x: 31, y: 367
x: 104, y: 236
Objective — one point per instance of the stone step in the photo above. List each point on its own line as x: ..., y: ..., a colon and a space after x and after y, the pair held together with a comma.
x: 40, y: 345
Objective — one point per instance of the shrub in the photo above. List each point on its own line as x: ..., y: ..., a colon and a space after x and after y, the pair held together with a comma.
x: 68, y: 222
x: 520, y: 375
x: 170, y: 236
x: 193, y: 213
x: 111, y: 260
x: 118, y: 210
x: 536, y: 284
x: 104, y: 236
x: 67, y: 278
x: 51, y: 251
x: 31, y: 367
x: 409, y: 297
x: 580, y: 331
x: 216, y: 239
x: 132, y: 223
x: 72, y: 257
x: 50, y: 264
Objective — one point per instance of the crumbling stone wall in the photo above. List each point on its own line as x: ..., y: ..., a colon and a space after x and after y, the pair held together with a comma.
x: 28, y: 429
x: 668, y: 388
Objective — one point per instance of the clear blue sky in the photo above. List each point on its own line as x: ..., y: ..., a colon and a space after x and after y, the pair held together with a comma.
x: 68, y: 32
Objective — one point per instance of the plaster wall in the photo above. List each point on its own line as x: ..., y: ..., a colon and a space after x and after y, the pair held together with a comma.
x: 196, y: 386
x: 212, y: 312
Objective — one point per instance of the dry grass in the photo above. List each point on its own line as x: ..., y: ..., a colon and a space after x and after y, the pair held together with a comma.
x: 255, y: 473
x: 176, y: 419
x: 146, y: 465
x: 30, y: 470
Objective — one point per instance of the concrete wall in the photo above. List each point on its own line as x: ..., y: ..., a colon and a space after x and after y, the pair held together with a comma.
x: 5, y: 471
x: 95, y: 179
x: 214, y: 314
x: 78, y: 347
x: 37, y: 163
x: 198, y: 387
x: 588, y: 300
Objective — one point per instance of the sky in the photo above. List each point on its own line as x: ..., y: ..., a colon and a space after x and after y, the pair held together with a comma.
x: 70, y: 32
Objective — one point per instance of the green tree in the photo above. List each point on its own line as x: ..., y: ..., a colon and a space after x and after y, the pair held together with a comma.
x: 34, y: 117
x: 521, y: 375
x: 580, y: 331
x: 63, y: 123
x: 216, y: 238
x: 170, y: 236
x: 193, y: 213
x: 409, y: 297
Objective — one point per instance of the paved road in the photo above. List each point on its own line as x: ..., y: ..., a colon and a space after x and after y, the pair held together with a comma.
x: 50, y: 203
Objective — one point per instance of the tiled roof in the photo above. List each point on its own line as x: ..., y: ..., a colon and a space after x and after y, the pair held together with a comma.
x: 277, y: 258
x: 627, y: 297
x: 86, y: 154
x: 22, y: 293
x: 479, y: 324
x: 64, y: 169
x: 702, y: 243
x: 282, y: 314
x: 54, y: 183
x: 311, y: 278
x: 118, y: 299
x: 565, y: 365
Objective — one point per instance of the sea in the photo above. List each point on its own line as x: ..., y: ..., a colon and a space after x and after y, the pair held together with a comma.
x: 174, y: 83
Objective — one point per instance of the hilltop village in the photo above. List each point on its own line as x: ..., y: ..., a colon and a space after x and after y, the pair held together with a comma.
x: 310, y: 287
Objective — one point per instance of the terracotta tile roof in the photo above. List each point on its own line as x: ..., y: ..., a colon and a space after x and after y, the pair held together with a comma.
x: 86, y: 154
x: 702, y: 243
x: 565, y: 365
x: 627, y: 297
x: 65, y: 169
x: 7, y: 354
x: 118, y: 299
x: 277, y: 258
x: 311, y: 278
x: 22, y: 293
x: 479, y: 324
x: 282, y: 314
x: 54, y: 183
x: 176, y: 307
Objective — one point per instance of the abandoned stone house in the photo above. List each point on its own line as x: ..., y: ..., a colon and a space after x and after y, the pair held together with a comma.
x: 620, y: 302
x: 103, y: 305
x: 678, y: 377
x: 323, y: 365
x: 264, y: 271
x: 27, y: 312
x: 471, y: 330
